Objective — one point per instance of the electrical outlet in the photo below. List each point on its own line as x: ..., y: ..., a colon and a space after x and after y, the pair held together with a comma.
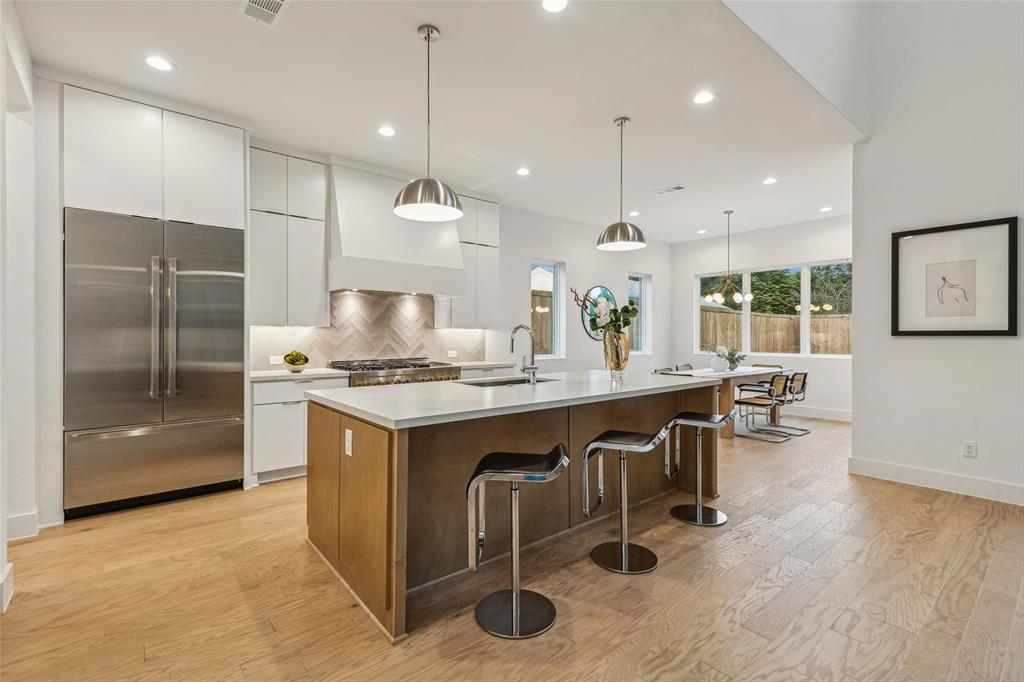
x: 969, y: 448
x: 277, y: 359
x: 348, y: 442
x: 453, y: 353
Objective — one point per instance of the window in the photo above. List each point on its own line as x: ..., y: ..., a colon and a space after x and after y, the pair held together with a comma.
x: 639, y: 292
x: 546, y: 315
x: 720, y: 323
x: 800, y: 309
x: 831, y: 308
x: 775, y: 311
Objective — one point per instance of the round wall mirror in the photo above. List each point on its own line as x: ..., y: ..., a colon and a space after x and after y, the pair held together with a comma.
x: 595, y: 294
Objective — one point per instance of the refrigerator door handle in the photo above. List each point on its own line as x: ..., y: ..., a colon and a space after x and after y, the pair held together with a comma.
x: 172, y: 327
x: 155, y: 270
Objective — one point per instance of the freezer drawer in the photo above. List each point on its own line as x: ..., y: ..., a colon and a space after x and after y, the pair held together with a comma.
x: 103, y: 466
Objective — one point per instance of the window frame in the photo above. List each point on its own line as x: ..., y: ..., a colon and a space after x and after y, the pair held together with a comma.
x: 558, y: 308
x: 646, y: 316
x: 805, y: 310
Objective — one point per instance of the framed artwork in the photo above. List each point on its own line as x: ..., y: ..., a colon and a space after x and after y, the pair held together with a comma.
x: 595, y: 294
x: 955, y: 280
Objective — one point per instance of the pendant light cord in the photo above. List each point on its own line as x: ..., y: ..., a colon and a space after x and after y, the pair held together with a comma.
x: 428, y: 41
x: 622, y: 125
x: 728, y: 243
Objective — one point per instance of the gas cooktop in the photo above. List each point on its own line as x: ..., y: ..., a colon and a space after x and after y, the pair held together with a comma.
x: 383, y: 364
x: 395, y: 371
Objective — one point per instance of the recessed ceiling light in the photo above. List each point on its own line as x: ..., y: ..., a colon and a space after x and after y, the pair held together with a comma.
x: 824, y: 209
x: 769, y: 181
x: 703, y: 97
x: 702, y: 231
x: 523, y: 171
x: 386, y: 131
x: 159, y: 63
x: 634, y: 214
x: 554, y: 5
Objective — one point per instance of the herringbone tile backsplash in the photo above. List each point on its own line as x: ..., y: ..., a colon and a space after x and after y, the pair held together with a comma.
x: 368, y: 324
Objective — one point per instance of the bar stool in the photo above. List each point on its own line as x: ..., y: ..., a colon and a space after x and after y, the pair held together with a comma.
x: 513, y: 613
x: 698, y: 513
x: 622, y: 556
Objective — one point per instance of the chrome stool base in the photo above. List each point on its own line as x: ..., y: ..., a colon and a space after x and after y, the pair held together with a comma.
x: 631, y: 559
x: 707, y: 516
x: 536, y: 614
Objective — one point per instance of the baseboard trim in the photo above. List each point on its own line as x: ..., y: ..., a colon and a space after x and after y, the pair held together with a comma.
x: 280, y: 474
x: 819, y: 412
x: 6, y: 586
x: 22, y: 526
x: 939, y: 480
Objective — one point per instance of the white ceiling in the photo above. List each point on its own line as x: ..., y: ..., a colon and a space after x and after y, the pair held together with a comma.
x: 512, y: 85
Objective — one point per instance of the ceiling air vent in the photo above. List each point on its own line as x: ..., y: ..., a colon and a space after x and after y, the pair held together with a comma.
x: 667, y: 190
x: 266, y: 11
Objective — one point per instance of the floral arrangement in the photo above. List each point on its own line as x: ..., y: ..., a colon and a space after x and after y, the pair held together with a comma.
x: 733, y: 357
x: 603, y: 315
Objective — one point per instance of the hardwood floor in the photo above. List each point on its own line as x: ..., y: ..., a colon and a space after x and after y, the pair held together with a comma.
x: 818, y: 575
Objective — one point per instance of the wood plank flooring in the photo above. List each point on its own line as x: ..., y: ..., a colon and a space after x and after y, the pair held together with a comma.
x: 818, y: 575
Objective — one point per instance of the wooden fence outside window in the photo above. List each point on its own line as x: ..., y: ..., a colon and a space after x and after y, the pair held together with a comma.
x: 830, y: 334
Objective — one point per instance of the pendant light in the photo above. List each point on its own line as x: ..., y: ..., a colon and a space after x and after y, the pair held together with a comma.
x: 729, y: 286
x: 428, y: 200
x: 621, y: 236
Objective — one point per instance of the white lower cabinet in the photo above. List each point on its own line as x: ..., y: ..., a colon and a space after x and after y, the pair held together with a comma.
x: 278, y: 436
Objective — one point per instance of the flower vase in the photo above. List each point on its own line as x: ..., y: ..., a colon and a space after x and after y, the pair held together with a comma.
x: 719, y: 364
x: 733, y: 366
x: 616, y: 353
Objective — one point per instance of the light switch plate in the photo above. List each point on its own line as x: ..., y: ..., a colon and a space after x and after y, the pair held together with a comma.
x: 969, y: 448
x: 348, y: 442
x: 277, y: 359
x: 453, y: 353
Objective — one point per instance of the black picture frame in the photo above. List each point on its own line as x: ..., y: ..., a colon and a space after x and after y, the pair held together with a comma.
x: 1011, y: 293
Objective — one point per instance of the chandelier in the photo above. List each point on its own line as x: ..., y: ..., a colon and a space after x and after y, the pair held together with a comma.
x: 730, y: 286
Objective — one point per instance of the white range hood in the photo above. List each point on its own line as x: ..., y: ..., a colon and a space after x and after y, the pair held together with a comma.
x: 372, y: 248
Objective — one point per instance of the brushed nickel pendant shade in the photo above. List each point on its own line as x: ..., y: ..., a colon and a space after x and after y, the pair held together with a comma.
x: 621, y: 236
x: 428, y: 199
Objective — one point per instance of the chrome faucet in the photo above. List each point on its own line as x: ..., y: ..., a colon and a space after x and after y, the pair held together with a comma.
x: 530, y: 370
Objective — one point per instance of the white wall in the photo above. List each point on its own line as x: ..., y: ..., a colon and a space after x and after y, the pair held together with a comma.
x: 942, y: 91
x: 19, y: 329
x: 15, y: 141
x: 946, y: 147
x: 829, y: 378
x: 529, y: 236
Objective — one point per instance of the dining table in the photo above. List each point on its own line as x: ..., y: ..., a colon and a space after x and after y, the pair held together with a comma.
x: 730, y: 378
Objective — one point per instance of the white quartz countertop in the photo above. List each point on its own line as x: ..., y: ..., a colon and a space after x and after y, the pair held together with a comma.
x: 483, y: 364
x: 286, y: 375
x: 403, y: 406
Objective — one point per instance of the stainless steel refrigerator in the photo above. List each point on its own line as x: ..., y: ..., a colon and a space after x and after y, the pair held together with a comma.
x: 153, y: 360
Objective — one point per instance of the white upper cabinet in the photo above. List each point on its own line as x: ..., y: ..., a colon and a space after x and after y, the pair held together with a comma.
x: 307, y: 189
x: 307, y: 273
x: 268, y: 268
x: 204, y: 172
x: 463, y: 312
x: 268, y: 181
x: 467, y: 223
x: 112, y: 154
x: 488, y: 288
x: 488, y: 223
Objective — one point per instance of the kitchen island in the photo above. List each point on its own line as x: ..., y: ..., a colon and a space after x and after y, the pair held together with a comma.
x: 388, y: 468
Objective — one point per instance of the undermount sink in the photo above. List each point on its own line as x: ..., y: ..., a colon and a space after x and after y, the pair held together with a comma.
x: 505, y: 381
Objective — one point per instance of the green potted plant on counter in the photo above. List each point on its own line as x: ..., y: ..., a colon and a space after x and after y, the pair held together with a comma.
x: 296, y: 361
x: 610, y: 321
